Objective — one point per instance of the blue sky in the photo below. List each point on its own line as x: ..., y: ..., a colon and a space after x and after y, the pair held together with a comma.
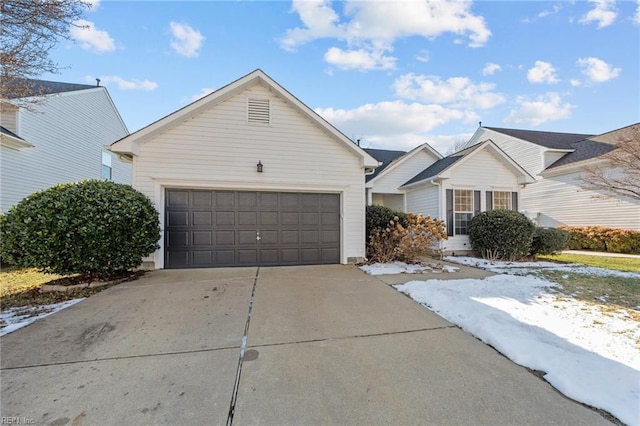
x: 393, y: 74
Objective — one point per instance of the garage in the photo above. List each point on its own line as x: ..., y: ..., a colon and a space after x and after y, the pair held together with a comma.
x: 205, y: 228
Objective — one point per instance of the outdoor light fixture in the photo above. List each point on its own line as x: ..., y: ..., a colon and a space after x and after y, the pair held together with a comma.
x: 259, y: 166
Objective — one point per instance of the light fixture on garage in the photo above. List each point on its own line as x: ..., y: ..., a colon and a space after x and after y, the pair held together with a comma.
x: 259, y: 166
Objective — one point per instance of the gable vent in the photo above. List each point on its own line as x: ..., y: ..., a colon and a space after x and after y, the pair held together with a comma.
x: 258, y: 111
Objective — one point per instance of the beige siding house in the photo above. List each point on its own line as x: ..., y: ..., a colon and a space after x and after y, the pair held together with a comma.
x: 249, y: 175
x: 60, y: 138
x: 457, y: 187
x: 557, y: 161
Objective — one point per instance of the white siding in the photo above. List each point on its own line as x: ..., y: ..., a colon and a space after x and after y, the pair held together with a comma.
x: 528, y: 155
x: 390, y: 182
x: 217, y: 149
x: 9, y: 117
x: 482, y: 172
x: 560, y: 200
x: 69, y: 132
x: 424, y: 200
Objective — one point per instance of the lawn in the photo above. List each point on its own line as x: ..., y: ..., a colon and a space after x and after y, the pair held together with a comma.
x: 617, y: 263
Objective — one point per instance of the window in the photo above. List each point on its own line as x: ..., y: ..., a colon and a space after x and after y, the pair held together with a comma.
x: 106, y: 166
x: 463, y: 210
x: 502, y: 200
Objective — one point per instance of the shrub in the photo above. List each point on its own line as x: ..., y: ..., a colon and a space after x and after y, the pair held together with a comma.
x: 397, y: 242
x: 600, y: 238
x: 549, y: 241
x: 96, y: 228
x: 501, y: 234
x: 380, y: 216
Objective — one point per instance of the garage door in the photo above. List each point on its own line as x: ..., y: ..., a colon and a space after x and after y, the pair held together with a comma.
x: 241, y: 228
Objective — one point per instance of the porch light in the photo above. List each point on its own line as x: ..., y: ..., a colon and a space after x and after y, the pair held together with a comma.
x: 259, y: 166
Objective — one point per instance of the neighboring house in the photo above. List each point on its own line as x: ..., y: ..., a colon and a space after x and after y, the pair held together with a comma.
x: 249, y: 175
x: 557, y: 161
x: 59, y: 138
x: 453, y: 188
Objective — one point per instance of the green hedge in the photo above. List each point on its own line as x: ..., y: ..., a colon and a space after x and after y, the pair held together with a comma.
x: 600, y: 238
x: 94, y: 227
x: 549, y: 241
x: 501, y: 234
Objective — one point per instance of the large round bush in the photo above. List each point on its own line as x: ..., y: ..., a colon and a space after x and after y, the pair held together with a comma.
x: 97, y: 228
x: 378, y: 217
x: 501, y: 234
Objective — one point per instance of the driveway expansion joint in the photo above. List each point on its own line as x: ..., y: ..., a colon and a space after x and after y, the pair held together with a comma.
x: 355, y: 336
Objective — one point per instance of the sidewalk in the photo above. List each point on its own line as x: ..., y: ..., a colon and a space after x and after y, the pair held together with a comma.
x: 602, y: 254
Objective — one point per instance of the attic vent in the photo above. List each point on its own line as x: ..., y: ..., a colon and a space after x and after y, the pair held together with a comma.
x: 258, y: 111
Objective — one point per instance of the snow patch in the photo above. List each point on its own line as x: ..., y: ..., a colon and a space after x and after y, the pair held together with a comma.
x: 16, y: 318
x: 404, y: 268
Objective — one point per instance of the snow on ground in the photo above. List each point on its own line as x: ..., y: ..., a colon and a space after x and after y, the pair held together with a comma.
x: 525, y: 268
x: 404, y: 268
x: 16, y: 318
x: 589, y: 355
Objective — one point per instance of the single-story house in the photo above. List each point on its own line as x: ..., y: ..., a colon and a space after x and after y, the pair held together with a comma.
x: 557, y: 161
x: 453, y: 188
x: 250, y: 175
x: 56, y: 133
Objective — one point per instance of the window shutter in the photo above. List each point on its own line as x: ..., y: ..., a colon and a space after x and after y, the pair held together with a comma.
x: 514, y: 201
x: 489, y: 201
x: 476, y: 202
x: 449, y: 212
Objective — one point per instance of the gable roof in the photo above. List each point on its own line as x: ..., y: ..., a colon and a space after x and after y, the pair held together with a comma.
x: 129, y: 144
x: 10, y: 139
x: 595, y: 146
x: 44, y: 87
x: 444, y: 165
x: 552, y: 140
x: 384, y: 157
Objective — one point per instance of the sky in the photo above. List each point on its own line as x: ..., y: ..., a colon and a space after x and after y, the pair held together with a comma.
x: 394, y: 74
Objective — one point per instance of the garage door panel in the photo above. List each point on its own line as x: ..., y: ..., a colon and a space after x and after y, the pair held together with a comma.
x: 225, y: 238
x: 225, y: 218
x: 289, y: 218
x: 220, y: 228
x: 202, y: 218
x: 246, y: 218
x: 177, y: 239
x: 178, y: 218
x: 202, y: 199
x: 202, y: 238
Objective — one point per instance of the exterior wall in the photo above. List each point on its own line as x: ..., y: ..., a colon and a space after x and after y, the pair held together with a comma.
x: 218, y: 149
x: 528, y: 155
x: 560, y: 200
x: 483, y: 172
x: 9, y: 117
x: 390, y: 182
x: 424, y: 200
x: 69, y: 132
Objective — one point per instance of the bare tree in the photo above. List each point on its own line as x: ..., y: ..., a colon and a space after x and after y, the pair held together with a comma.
x: 29, y: 29
x: 618, y: 172
x: 458, y: 145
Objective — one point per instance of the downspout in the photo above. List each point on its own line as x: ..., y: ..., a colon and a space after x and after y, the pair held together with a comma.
x: 433, y: 182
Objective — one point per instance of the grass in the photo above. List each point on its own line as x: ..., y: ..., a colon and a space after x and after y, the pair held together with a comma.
x: 21, y: 287
x: 617, y: 263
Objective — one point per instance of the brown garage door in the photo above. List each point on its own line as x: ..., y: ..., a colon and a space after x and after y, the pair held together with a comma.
x: 241, y: 228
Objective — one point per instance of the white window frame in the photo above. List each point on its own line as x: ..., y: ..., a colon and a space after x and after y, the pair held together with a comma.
x: 508, y: 197
x: 457, y: 211
x: 106, y: 165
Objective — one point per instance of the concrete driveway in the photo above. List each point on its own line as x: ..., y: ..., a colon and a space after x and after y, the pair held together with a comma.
x: 324, y: 345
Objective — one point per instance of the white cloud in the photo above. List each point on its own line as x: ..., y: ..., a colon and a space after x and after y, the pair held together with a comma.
x: 556, y: 8
x: 597, y: 70
x: 542, y: 72
x: 186, y: 41
x: 425, y: 56
x: 90, y: 37
x: 371, y: 27
x: 359, y: 59
x: 203, y: 92
x: 636, y: 17
x: 458, y: 92
x: 544, y: 108
x: 603, y: 13
x: 575, y: 82
x: 491, y: 68
x: 392, y: 119
x: 123, y: 84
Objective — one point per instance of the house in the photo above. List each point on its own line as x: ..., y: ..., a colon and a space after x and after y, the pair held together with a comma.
x: 57, y: 133
x: 452, y: 188
x: 558, y: 161
x: 249, y: 175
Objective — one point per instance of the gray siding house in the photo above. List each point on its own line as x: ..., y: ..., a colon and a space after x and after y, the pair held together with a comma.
x: 59, y: 138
